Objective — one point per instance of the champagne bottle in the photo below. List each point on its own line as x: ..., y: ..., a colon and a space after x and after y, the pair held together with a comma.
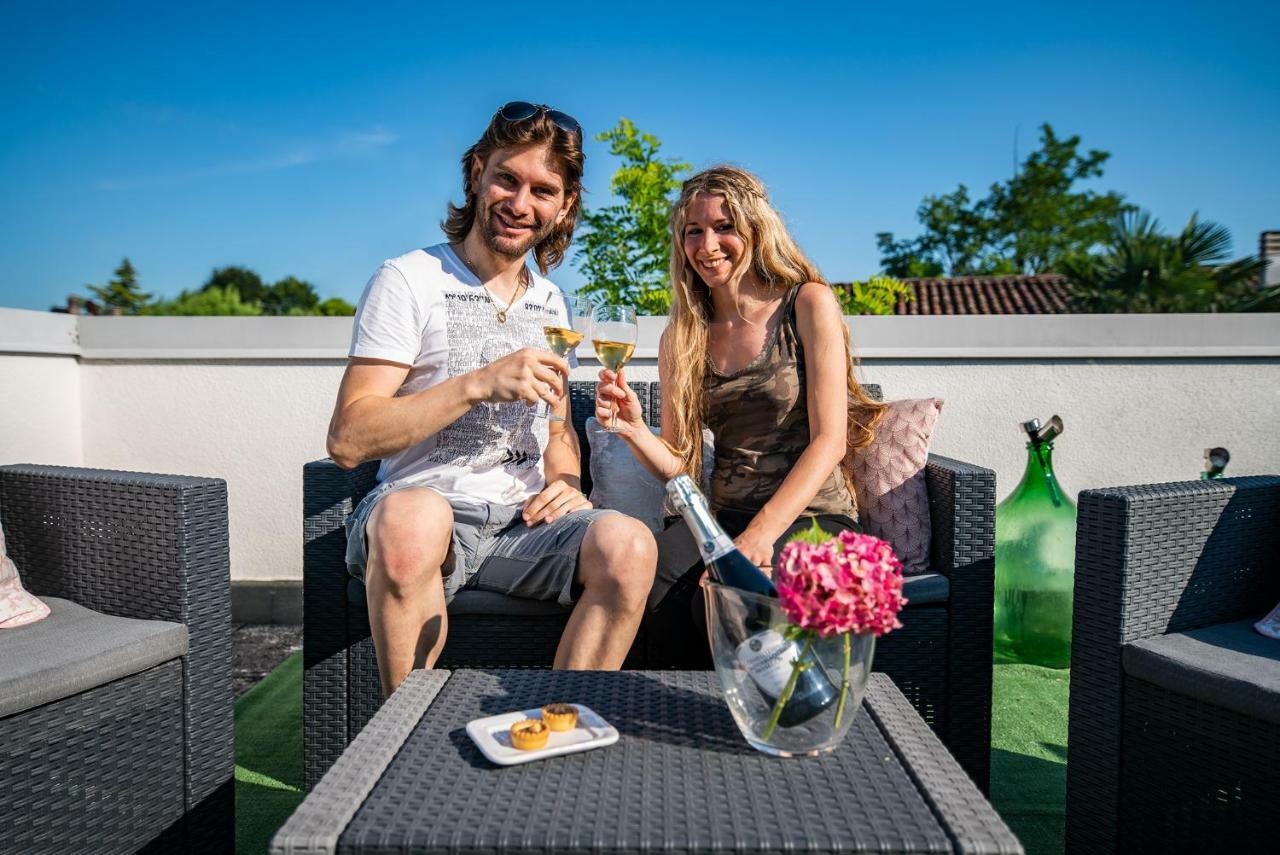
x: 765, y: 654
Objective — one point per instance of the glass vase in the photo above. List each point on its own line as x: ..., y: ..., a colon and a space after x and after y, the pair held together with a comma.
x: 737, y: 622
x: 1035, y: 566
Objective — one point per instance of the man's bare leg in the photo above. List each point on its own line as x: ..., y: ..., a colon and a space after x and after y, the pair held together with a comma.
x: 616, y: 568
x: 408, y: 536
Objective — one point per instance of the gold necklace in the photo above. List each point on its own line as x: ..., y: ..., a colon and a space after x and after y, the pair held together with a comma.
x: 520, y: 288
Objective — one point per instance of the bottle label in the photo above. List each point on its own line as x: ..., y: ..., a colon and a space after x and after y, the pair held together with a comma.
x: 768, y: 658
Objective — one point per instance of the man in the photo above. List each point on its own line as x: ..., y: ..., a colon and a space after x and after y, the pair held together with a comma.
x: 447, y: 360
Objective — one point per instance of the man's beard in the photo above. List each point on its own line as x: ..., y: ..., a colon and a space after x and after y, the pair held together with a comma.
x: 511, y: 247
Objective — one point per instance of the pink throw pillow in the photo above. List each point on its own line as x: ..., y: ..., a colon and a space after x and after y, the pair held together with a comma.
x: 17, y: 607
x: 888, y: 475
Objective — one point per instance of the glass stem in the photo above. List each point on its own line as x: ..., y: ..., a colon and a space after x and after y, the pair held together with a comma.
x: 844, y: 681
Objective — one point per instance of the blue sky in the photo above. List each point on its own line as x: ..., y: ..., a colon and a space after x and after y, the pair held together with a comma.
x: 316, y: 141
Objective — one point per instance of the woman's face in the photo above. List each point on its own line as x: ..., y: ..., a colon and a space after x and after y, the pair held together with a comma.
x: 711, y: 243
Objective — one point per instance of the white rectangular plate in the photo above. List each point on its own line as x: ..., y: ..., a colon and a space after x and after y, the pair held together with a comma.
x: 492, y: 736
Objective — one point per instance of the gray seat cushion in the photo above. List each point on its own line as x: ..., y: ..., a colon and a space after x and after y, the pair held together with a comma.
x: 922, y: 589
x: 75, y: 649
x: 1228, y: 665
x: 472, y: 602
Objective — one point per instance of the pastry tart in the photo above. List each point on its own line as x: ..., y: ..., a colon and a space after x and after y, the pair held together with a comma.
x: 529, y: 734
x: 560, y: 717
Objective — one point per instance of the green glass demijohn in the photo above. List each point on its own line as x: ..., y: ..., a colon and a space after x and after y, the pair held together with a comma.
x: 1035, y: 560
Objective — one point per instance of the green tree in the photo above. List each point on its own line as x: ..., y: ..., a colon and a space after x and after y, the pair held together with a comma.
x: 1141, y: 269
x: 1027, y: 224
x: 956, y: 237
x: 335, y: 307
x: 247, y: 283
x: 214, y: 300
x: 625, y: 248
x: 122, y: 292
x: 877, y: 296
x: 290, y: 296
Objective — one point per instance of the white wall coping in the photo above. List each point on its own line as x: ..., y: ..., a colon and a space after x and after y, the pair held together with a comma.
x: 24, y: 331
x: 998, y: 337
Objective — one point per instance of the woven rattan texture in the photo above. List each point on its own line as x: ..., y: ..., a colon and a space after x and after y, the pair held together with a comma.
x: 1196, y: 777
x: 1152, y: 559
x: 314, y: 827
x: 680, y: 778
x: 952, y: 794
x: 101, y: 771
x: 328, y: 495
x: 913, y: 656
x: 144, y: 546
x: 962, y: 515
x: 341, y: 689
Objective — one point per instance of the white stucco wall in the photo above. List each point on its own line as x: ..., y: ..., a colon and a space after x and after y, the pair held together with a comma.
x: 1126, y: 421
x: 248, y: 400
x: 40, y: 417
x: 254, y: 424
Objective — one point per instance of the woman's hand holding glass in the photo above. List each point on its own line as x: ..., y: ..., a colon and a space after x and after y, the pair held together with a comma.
x: 614, y: 396
x: 614, y: 332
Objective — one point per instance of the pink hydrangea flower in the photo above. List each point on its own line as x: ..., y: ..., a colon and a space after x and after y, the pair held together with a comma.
x: 850, y: 583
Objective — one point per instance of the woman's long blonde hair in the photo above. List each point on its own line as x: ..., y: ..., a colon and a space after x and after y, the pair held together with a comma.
x: 778, y: 264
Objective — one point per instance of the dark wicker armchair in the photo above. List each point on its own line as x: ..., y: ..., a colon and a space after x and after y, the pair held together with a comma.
x: 116, y: 732
x: 941, y: 660
x: 1175, y: 700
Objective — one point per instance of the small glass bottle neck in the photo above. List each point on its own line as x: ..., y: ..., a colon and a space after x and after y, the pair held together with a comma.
x: 1040, y: 469
x: 1040, y: 455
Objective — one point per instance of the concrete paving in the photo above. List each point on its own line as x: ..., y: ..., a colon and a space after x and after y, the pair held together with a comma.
x: 258, y: 648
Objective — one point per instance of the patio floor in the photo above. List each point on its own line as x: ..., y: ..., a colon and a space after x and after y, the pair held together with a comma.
x: 256, y: 649
x: 1028, y: 754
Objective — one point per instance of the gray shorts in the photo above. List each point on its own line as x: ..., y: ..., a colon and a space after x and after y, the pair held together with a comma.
x: 493, y: 549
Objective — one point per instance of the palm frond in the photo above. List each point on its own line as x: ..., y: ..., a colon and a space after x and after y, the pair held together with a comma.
x: 1204, y: 243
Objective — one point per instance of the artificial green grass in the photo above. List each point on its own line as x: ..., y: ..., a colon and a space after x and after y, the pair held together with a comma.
x: 1028, y: 754
x: 268, y: 755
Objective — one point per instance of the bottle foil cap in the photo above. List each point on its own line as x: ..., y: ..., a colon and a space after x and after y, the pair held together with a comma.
x: 683, y: 493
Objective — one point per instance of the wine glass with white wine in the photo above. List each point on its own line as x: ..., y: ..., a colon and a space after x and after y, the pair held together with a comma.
x: 561, y: 340
x: 613, y: 334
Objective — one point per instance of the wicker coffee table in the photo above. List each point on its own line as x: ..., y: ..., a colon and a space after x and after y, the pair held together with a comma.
x: 680, y: 778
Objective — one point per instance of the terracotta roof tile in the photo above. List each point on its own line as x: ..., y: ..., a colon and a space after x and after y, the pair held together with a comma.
x: 1038, y: 294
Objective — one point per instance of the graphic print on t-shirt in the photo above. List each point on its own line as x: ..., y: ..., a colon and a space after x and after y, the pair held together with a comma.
x: 506, y: 435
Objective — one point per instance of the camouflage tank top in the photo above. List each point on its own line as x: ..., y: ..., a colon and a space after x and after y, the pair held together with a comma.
x: 760, y: 418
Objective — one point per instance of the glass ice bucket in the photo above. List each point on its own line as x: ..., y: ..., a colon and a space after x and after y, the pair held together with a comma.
x: 755, y: 659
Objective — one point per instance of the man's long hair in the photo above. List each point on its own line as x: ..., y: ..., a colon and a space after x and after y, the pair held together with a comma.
x: 566, y: 150
x: 779, y: 265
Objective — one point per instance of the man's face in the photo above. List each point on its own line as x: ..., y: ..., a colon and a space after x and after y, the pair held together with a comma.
x: 520, y: 198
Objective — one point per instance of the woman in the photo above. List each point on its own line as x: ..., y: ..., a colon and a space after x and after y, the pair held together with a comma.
x: 757, y: 349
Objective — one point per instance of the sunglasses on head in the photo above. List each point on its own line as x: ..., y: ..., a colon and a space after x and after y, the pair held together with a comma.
x: 519, y: 111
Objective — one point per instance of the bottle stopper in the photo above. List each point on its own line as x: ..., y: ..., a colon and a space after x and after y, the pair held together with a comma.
x: 1215, y: 461
x: 1043, y: 433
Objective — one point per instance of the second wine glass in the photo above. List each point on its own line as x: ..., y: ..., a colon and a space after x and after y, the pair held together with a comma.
x: 561, y: 340
x: 613, y: 334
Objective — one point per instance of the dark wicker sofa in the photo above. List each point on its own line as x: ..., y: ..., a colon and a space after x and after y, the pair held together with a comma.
x: 941, y: 660
x: 116, y: 710
x: 1175, y: 700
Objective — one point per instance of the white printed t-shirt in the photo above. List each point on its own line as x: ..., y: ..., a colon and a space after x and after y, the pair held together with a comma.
x: 427, y: 310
